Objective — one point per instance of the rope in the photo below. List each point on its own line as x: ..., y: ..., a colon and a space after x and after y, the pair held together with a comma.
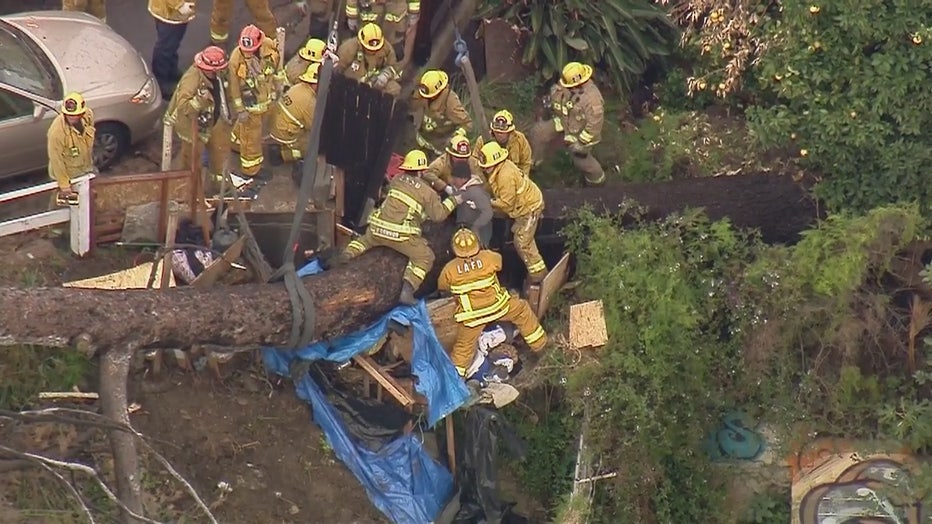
x: 303, y: 311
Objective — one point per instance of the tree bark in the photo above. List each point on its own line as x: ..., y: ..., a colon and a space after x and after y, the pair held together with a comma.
x: 775, y: 205
x: 114, y: 373
x: 355, y: 295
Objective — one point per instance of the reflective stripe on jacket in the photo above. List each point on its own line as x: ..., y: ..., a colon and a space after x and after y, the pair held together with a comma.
x: 474, y: 282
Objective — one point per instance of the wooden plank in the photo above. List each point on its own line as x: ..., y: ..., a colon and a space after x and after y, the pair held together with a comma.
x: 48, y: 218
x: 552, y: 284
x: 28, y: 191
x: 167, y: 136
x: 141, y: 177
x: 80, y: 217
x: 587, y: 325
x: 387, y: 382
x: 165, y: 281
x: 136, y: 277
x: 220, y: 266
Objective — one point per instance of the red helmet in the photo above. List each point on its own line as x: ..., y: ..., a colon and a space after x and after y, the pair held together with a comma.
x: 251, y: 38
x: 211, y: 59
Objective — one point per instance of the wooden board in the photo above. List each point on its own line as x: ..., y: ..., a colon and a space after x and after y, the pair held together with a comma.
x: 551, y: 285
x: 220, y: 266
x: 385, y: 381
x: 132, y: 278
x: 441, y: 316
x: 587, y: 325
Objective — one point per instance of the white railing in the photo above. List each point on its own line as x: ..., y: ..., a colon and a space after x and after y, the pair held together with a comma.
x: 79, y: 216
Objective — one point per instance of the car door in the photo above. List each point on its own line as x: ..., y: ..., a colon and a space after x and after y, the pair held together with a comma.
x: 23, y: 127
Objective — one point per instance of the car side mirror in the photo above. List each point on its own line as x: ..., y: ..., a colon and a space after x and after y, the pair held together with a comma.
x: 38, y: 111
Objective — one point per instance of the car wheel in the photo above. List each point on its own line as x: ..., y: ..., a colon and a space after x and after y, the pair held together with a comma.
x: 111, y: 141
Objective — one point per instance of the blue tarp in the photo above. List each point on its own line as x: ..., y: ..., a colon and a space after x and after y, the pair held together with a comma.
x: 401, y: 479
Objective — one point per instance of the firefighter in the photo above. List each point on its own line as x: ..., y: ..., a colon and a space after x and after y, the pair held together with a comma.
x: 311, y: 53
x: 517, y: 196
x: 397, y: 18
x: 291, y: 121
x: 368, y: 60
x: 396, y: 224
x: 255, y: 78
x: 222, y: 13
x: 440, y: 171
x: 97, y: 8
x: 171, y: 23
x: 504, y: 132
x: 318, y: 13
x: 577, y: 114
x: 437, y: 111
x: 71, y: 146
x: 200, y: 101
x: 472, y: 278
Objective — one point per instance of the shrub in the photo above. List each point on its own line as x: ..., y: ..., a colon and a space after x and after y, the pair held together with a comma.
x: 621, y: 36
x: 851, y: 80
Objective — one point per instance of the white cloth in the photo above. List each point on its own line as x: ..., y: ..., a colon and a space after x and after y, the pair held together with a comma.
x: 491, y: 339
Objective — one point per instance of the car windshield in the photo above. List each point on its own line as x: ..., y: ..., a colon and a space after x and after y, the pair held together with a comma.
x: 24, y: 65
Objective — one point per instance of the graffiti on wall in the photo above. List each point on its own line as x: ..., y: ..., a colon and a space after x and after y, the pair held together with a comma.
x: 831, y: 486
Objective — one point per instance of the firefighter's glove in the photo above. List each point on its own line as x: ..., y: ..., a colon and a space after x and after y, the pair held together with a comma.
x: 186, y: 9
x: 242, y: 116
x: 449, y: 190
x: 352, y: 24
x: 573, y: 145
x: 382, y: 79
x: 302, y: 7
x: 66, y: 197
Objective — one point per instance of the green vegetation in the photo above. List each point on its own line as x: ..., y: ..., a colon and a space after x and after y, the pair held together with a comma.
x: 27, y: 370
x: 621, y: 35
x: 703, y: 318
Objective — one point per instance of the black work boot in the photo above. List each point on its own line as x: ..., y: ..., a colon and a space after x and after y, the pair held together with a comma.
x: 297, y: 173
x: 407, y: 294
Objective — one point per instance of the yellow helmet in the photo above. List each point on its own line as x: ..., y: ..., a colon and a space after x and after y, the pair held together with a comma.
x: 575, y: 74
x: 503, y: 122
x: 370, y: 36
x: 73, y: 105
x: 311, y: 74
x: 465, y: 243
x: 313, y: 50
x: 415, y: 160
x: 459, y: 146
x: 432, y: 83
x: 492, y: 154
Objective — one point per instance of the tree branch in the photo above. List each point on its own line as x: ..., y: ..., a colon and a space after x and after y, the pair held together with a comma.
x: 74, y: 492
x: 114, y: 373
x: 80, y: 468
x: 97, y: 420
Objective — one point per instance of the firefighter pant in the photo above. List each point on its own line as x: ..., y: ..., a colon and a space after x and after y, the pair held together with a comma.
x: 524, y: 229
x: 519, y: 313
x: 222, y: 13
x: 420, y: 256
x: 246, y: 139
x: 168, y: 39
x: 92, y: 7
x: 218, y: 148
x: 544, y: 133
x: 279, y: 152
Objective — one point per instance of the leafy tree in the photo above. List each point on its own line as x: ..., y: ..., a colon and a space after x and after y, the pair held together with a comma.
x: 851, y: 82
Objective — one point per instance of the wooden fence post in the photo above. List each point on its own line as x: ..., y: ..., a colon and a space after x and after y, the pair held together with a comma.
x: 80, y: 221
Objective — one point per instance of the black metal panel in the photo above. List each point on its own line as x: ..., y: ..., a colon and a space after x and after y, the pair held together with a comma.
x: 361, y: 128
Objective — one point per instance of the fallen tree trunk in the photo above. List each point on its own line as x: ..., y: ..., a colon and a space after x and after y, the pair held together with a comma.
x: 349, y: 297
x: 775, y: 205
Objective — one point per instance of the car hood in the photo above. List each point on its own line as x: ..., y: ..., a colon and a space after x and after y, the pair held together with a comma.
x: 92, y: 58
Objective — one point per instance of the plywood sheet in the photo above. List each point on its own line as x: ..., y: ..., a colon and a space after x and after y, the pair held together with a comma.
x: 132, y: 278
x: 552, y: 284
x: 587, y: 325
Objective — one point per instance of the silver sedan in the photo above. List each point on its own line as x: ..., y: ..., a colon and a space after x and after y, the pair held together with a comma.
x: 47, y: 54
